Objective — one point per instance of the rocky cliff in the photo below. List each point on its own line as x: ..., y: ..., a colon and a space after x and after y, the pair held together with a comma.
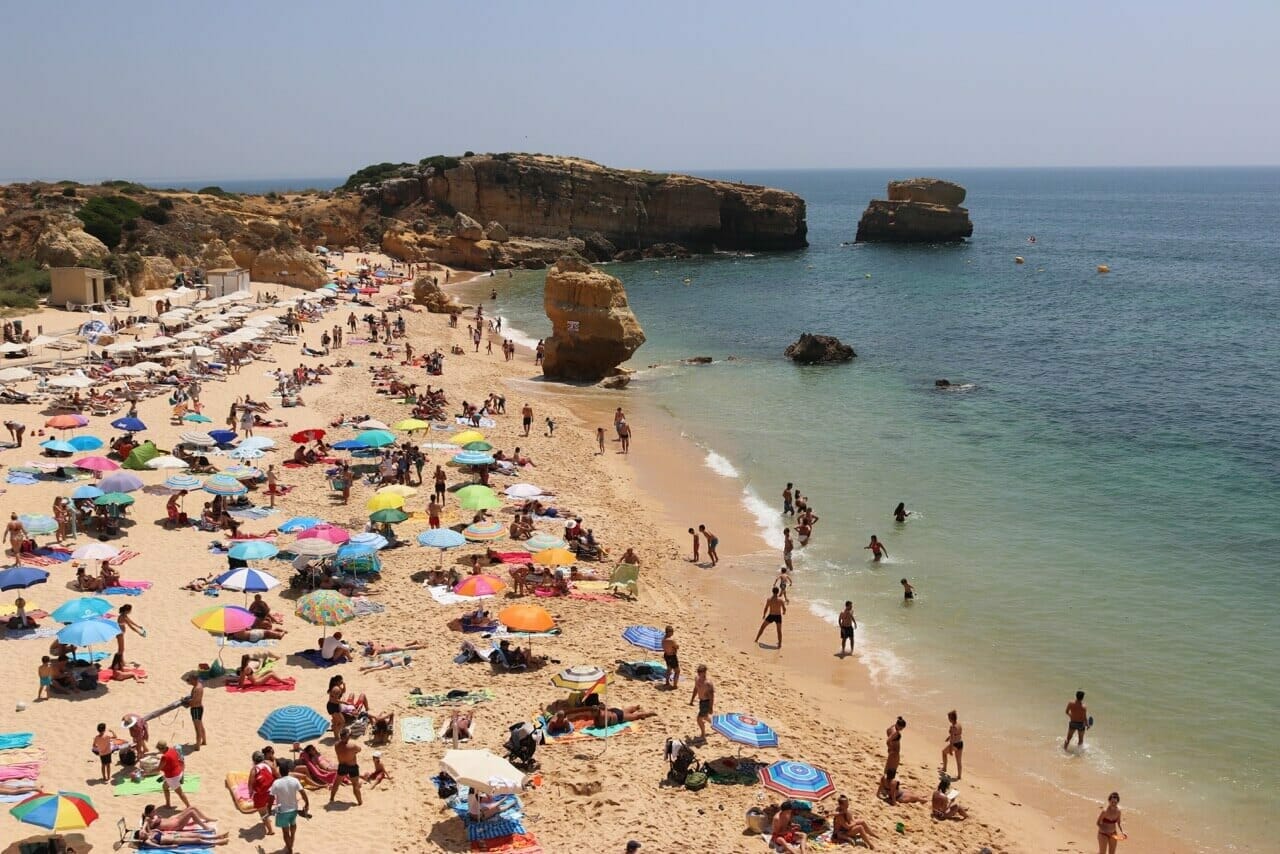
x: 918, y: 210
x: 593, y: 329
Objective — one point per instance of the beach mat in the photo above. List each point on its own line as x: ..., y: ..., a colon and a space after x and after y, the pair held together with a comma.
x: 153, y: 785
x: 471, y: 698
x: 417, y: 730
x: 444, y: 596
x: 288, y: 684
x: 582, y: 732
x: 20, y: 771
x: 104, y: 676
x: 32, y: 634
x: 239, y: 644
x: 238, y: 787
x: 519, y: 843
x: 13, y: 799
x: 121, y: 591
x: 14, y: 740
x: 313, y: 656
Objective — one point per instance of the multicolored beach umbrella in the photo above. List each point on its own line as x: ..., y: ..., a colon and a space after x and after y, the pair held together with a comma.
x: 66, y: 422
x: 223, y: 619
x: 325, y: 608
x: 581, y: 677
x: 293, y: 723
x: 797, y: 780
x: 20, y: 577
x: 248, y: 580
x: 480, y: 585
x: 82, y: 608
x: 186, y: 482
x: 481, y: 532
x: 221, y: 484
x: 472, y: 458
x: 744, y: 729
x: 645, y: 637
x: 243, y: 453
x: 59, y: 812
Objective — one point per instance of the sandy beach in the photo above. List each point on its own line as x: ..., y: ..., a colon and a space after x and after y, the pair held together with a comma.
x: 595, y: 793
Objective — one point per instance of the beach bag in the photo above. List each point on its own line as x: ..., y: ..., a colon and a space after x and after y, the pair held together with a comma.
x: 128, y: 758
x: 695, y: 781
x: 447, y: 787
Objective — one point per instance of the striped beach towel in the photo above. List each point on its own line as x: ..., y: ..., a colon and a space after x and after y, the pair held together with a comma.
x: 125, y: 554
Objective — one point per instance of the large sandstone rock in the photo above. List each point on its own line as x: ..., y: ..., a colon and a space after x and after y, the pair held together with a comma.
x: 66, y: 245
x: 918, y: 210
x: 466, y: 227
x: 496, y: 232
x: 216, y: 256
x: 291, y: 265
x: 157, y: 273
x: 426, y: 292
x: 812, y: 349
x: 593, y: 329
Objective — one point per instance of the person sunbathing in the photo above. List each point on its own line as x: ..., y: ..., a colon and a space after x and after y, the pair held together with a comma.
x: 479, y: 618
x: 247, y: 676
x: 518, y: 658
x: 844, y: 828
x: 314, y: 766
x: 177, y: 838
x: 388, y: 663
x: 612, y: 716
x: 108, y: 578
x: 86, y: 583
x: 151, y: 820
x: 255, y: 635
x: 892, y: 793
x: 120, y: 672
x: 17, y: 787
x: 943, y: 804
x: 459, y: 725
x: 559, y: 725
x: 372, y: 648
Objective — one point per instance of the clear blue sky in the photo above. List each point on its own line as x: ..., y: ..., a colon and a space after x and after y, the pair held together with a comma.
x: 168, y: 90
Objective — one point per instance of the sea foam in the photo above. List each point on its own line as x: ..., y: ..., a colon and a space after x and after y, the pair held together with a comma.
x: 721, y: 465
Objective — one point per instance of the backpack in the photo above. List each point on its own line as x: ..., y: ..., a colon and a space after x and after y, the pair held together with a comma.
x: 447, y: 787
x: 695, y: 781
x: 128, y: 758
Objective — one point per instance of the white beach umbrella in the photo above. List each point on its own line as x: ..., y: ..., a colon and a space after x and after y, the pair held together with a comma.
x: 42, y: 340
x: 13, y: 347
x: 373, y: 424
x: 71, y: 381
x: 262, y: 320
x: 167, y: 462
x: 197, y: 350
x: 218, y: 323
x: 189, y: 335
x: 121, y: 347
x: 168, y: 353
x: 127, y: 371
x: 239, y: 295
x: 16, y: 374
x: 484, y: 771
x: 149, y: 366
x: 172, y: 317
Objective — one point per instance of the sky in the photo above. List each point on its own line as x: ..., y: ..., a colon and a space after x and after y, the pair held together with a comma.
x: 162, y: 90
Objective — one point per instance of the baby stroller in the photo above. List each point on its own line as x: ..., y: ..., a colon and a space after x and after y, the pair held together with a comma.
x: 522, y: 743
x: 681, y: 761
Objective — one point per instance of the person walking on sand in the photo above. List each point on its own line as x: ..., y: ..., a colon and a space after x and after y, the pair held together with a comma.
x: 17, y: 536
x: 624, y: 436
x: 788, y: 546
x: 1110, y: 826
x: 195, y: 705
x: 1077, y: 720
x: 783, y: 582
x: 286, y: 790
x: 704, y: 691
x: 788, y: 501
x: 696, y: 543
x: 848, y: 623
x: 877, y: 549
x: 774, y: 609
x: 954, y: 745
x: 526, y: 418
x: 712, y: 542
x: 671, y: 657
x: 600, y: 439
x: 124, y: 620
x: 172, y: 769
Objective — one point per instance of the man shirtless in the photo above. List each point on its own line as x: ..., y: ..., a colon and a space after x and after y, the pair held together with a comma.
x: 526, y: 418
x: 788, y: 504
x: 195, y: 705
x: 774, y: 608
x: 848, y: 622
x: 1077, y: 720
x: 704, y: 691
x: 103, y: 745
x: 671, y: 656
x: 348, y: 767
x: 788, y: 546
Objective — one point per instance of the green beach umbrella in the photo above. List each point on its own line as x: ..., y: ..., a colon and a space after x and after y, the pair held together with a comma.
x: 482, y: 446
x: 477, y: 497
x: 114, y: 499
x: 389, y: 516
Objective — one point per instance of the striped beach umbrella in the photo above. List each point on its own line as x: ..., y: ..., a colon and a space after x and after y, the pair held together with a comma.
x: 580, y: 677
x: 243, y: 453
x: 38, y: 523
x: 441, y: 538
x: 744, y: 729
x: 542, y: 542
x: 88, y: 632
x: 314, y: 547
x: 369, y: 540
x: 19, y: 577
x: 223, y: 619
x: 221, y: 484
x: 59, y: 812
x: 121, y: 481
x: 480, y: 585
x: 797, y: 780
x: 200, y: 440
x: 253, y: 550
x: 482, y: 532
x: 96, y: 464
x: 645, y: 637
x: 183, y: 481
x: 293, y: 723
x: 81, y: 608
x: 472, y: 458
x: 248, y: 580
x: 325, y: 608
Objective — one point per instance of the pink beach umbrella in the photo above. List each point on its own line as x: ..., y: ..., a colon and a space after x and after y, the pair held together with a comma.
x: 98, y: 464
x: 329, y: 533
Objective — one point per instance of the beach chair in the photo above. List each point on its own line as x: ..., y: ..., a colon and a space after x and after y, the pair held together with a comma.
x: 626, y: 579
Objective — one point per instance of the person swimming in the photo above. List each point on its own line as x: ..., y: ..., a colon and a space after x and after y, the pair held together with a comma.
x: 877, y: 548
x: 900, y: 513
x: 908, y: 592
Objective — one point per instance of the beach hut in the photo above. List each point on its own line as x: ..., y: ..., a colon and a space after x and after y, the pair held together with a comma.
x: 226, y: 281
x: 74, y: 287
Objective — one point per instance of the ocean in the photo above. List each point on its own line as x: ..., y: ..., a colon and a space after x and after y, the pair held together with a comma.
x: 1096, y: 500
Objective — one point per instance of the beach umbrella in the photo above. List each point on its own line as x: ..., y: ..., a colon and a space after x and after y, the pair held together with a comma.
x: 523, y: 490
x: 158, y: 341
x: 71, y: 381
x: 477, y: 497
x: 129, y: 425
x: 262, y: 443
x: 797, y: 780
x: 96, y: 464
x: 483, y: 771
x: 352, y: 551
x: 479, y: 447
x: 20, y: 577
x: 58, y: 812
x: 196, y: 418
x: 9, y: 609
x: 299, y: 523
x: 167, y: 461
x: 85, y: 443
x: 293, y: 723
x: 376, y: 438
x: 113, y: 499
x: 580, y: 677
x: 481, y: 532
x: 472, y: 458
x: 38, y: 523
x: 542, y: 542
x: 408, y: 425
x: 121, y: 347
x: 126, y: 371
x: 14, y: 347
x: 311, y: 434
x: 480, y: 585
x: 66, y: 422
x: 87, y: 491
x: 442, y: 539
x: 82, y: 608
x: 149, y: 366
x: 179, y: 482
x: 526, y: 618
x: 314, y: 548
x: 398, y: 489
x: 389, y: 516
x: 252, y: 550
x: 242, y: 472
x: 88, y: 632
x: 223, y: 437
x: 250, y: 453
x: 555, y: 557
x: 325, y: 608
x: 95, y: 551
x: 13, y: 375
x: 221, y: 484
x: 645, y: 637
x: 745, y: 729
x: 190, y: 335
x: 247, y: 580
x: 327, y: 532
x: 121, y: 481
x: 200, y: 440
x: 372, y: 424
x: 58, y: 446
x: 197, y: 351
x: 384, y: 501
x: 223, y: 620
x: 467, y: 436
x: 349, y: 445
x: 368, y: 539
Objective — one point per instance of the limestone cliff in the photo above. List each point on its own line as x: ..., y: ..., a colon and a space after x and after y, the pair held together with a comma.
x: 918, y: 210
x: 593, y: 329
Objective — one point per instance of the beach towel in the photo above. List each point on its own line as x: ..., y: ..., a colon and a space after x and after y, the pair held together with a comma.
x: 363, y: 606
x: 121, y: 591
x: 512, y: 557
x: 518, y: 843
x: 20, y: 771
x: 582, y: 730
x: 262, y: 644
x: 89, y: 657
x: 650, y: 671
x: 444, y: 596
x: 13, y: 799
x: 29, y: 634
x: 125, y: 554
x: 314, y: 656
x: 238, y: 787
x: 288, y: 683
x: 417, y: 730
x: 504, y: 633
x: 470, y: 698
x: 153, y: 785
x: 253, y: 513
x: 270, y: 535
x: 104, y: 675
x: 471, y: 628
x: 14, y: 740
x: 593, y: 597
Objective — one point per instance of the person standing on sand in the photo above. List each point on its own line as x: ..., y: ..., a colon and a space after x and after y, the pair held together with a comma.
x: 1110, y: 828
x: 526, y: 418
x: 782, y: 582
x: 618, y: 418
x: 774, y: 609
x: 788, y: 502
x: 195, y: 705
x: 1077, y: 720
x: 273, y: 486
x: 696, y: 543
x: 712, y: 542
x: 877, y: 549
x: 954, y: 745
x: 103, y: 744
x: 600, y: 439
x: 787, y: 547
x: 893, y: 743
x: 848, y: 623
x: 704, y: 691
x: 624, y: 436
x: 348, y: 768
x: 671, y: 657
x: 439, y: 477
x: 433, y: 513
x: 17, y: 536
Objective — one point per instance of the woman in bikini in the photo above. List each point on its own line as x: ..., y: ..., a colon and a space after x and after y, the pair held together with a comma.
x: 247, y: 676
x: 1110, y: 829
x: 954, y: 745
x: 176, y: 838
x: 152, y: 821
x: 340, y: 704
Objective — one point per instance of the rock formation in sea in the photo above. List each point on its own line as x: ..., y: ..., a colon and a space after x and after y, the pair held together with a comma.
x: 593, y: 329
x: 810, y: 349
x: 428, y: 293
x: 918, y: 210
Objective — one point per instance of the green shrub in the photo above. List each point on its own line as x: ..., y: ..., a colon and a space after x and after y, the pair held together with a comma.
x: 129, y: 187
x: 441, y: 162
x: 155, y: 214
x: 166, y: 204
x: 105, y: 216
x: 214, y: 191
x: 22, y: 283
x: 468, y: 154
x: 69, y: 192
x: 372, y: 175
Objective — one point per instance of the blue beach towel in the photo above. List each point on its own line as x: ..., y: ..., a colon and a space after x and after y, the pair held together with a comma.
x: 314, y: 656
x: 13, y: 740
x: 121, y: 591
x: 89, y: 657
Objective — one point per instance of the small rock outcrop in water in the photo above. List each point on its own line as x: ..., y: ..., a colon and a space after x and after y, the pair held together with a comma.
x: 918, y: 210
x: 812, y: 349
x: 426, y: 292
x: 593, y: 329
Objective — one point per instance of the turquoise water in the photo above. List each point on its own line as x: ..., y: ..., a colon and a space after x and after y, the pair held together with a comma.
x: 1098, y: 508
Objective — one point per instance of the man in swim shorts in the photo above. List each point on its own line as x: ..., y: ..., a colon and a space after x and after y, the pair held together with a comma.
x: 671, y: 656
x: 705, y: 693
x: 788, y: 503
x: 774, y: 608
x: 171, y: 768
x: 848, y: 622
x: 526, y: 418
x: 712, y: 542
x: 348, y: 767
x: 1077, y: 720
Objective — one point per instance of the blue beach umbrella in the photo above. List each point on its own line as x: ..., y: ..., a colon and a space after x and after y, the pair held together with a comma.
x: 253, y: 550
x: 248, y: 580
x: 793, y: 779
x: 18, y: 577
x: 262, y: 443
x: 352, y: 550
x: 85, y: 443
x: 82, y: 608
x: 129, y: 425
x: 369, y: 538
x: 38, y: 523
x: 745, y: 729
x: 58, y: 446
x: 299, y: 523
x: 349, y: 445
x: 376, y: 438
x: 87, y: 491
x: 220, y: 484
x: 247, y: 453
x: 223, y: 437
x: 121, y: 481
x: 441, y: 538
x: 645, y: 637
x: 183, y: 481
x: 473, y: 458
x: 293, y: 723
x: 94, y: 630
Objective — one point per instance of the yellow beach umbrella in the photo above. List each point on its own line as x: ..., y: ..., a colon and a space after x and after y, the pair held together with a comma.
x: 408, y: 425
x: 384, y: 501
x: 466, y: 436
x: 555, y: 557
x: 398, y: 489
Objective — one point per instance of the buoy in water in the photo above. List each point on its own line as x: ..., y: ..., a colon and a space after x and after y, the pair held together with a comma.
x: 1018, y: 259
x: 1103, y: 268
x: 866, y: 275
x: 687, y: 280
